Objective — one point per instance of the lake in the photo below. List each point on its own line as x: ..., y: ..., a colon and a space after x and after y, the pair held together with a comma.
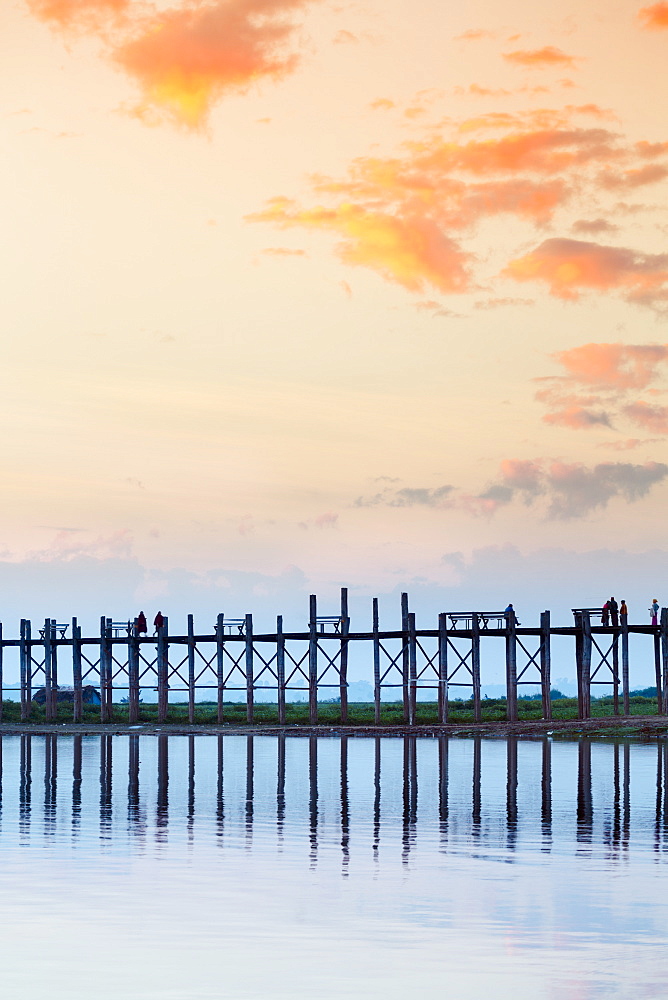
x: 232, y: 866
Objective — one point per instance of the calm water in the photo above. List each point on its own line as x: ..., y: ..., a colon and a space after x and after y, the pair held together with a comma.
x: 247, y: 867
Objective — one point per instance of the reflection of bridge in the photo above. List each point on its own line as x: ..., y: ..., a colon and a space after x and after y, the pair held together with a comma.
x: 452, y: 789
x: 233, y: 658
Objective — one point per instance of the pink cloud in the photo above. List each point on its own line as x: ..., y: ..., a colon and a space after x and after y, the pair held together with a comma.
x: 652, y: 418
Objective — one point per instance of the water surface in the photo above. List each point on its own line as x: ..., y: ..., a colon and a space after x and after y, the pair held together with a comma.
x: 266, y: 867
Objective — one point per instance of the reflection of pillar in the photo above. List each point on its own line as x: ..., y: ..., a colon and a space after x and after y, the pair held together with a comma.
x: 191, y: 783
x: 616, y: 813
x: 626, y: 822
x: 546, y: 788
x: 511, y: 789
x: 406, y: 801
x: 162, y: 810
x: 313, y: 795
x: 105, y: 780
x: 50, y: 779
x: 659, y: 796
x: 443, y: 778
x: 585, y: 809
x: 220, y: 801
x: 376, y: 796
x: 280, y: 785
x: 413, y: 778
x: 250, y: 775
x: 477, y: 762
x: 26, y: 781
x: 133, y: 779
x: 345, y: 814
x: 76, y: 781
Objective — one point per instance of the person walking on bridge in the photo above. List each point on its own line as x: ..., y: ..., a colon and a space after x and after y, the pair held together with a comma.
x: 654, y: 612
x: 623, y: 610
x: 158, y: 622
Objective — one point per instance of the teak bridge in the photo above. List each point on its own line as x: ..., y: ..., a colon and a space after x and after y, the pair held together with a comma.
x: 233, y: 658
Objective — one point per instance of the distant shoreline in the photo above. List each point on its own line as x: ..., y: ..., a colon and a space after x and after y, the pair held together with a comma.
x: 637, y: 726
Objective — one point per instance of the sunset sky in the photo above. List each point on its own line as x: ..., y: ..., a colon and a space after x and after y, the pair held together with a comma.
x: 304, y: 294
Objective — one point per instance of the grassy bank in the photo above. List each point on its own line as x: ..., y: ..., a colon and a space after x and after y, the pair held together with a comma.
x: 359, y: 713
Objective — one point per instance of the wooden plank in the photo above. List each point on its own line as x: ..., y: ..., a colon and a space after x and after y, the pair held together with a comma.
x: 412, y: 671
x: 77, y: 698
x: 280, y: 670
x: 220, y: 663
x: 511, y: 668
x: 405, y: 657
x: 343, y: 659
x: 250, y: 688
x: 313, y: 661
x: 191, y: 669
x: 443, y: 668
x: 376, y: 663
x: 545, y: 665
x: 475, y: 668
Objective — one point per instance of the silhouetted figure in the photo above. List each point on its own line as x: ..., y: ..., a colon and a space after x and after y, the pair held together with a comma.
x: 605, y: 614
x: 614, y: 611
x: 511, y: 611
x: 142, y: 627
x: 623, y: 610
x: 158, y: 622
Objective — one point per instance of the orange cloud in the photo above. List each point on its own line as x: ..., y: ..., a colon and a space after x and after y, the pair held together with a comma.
x: 614, y: 366
x: 187, y: 58
x: 577, y: 418
x: 411, y: 251
x: 637, y: 177
x: 89, y: 15
x: 283, y: 252
x: 540, y: 58
x: 570, y: 267
x: 652, y: 418
x: 654, y: 17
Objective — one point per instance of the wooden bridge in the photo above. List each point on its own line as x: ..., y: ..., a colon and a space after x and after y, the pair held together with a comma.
x: 233, y: 659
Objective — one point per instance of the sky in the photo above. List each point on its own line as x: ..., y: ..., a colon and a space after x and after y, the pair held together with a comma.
x: 300, y: 295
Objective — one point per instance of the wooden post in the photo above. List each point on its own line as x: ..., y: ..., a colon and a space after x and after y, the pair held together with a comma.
x: 77, y: 701
x: 313, y: 661
x: 545, y: 665
x: 163, y: 670
x: 191, y: 669
x: 412, y: 670
x: 343, y: 667
x: 28, y: 642
x: 658, y: 672
x: 663, y: 627
x: 376, y: 663
x: 511, y: 668
x: 48, y: 704
x: 23, y: 666
x: 625, y: 665
x: 1, y: 671
x: 134, y: 648
x: 103, y: 668
x: 578, y: 662
x: 54, y: 675
x: 405, y: 657
x: 250, y: 687
x: 442, y: 668
x: 280, y: 670
x: 586, y: 664
x: 475, y: 668
x: 615, y: 672
x: 220, y: 663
